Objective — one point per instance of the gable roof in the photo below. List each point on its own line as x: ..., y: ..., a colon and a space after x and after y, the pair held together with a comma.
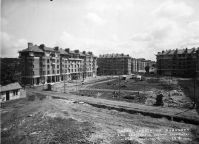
x: 12, y: 86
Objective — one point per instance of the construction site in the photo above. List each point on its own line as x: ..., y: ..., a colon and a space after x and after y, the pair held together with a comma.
x: 105, y: 109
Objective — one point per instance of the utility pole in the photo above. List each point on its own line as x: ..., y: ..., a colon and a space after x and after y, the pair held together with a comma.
x: 76, y: 82
x: 64, y: 83
x: 195, y: 90
x: 194, y: 86
x: 119, y: 85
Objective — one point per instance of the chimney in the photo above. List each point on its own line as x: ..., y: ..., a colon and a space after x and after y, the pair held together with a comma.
x: 77, y: 51
x: 90, y: 53
x: 84, y: 52
x: 30, y: 44
x: 56, y: 48
x: 67, y: 50
x: 42, y: 46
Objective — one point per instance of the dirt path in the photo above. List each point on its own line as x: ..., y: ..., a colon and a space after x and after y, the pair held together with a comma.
x: 178, y: 114
x: 112, y: 90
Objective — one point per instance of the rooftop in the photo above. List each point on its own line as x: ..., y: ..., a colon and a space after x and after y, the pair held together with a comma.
x: 34, y: 48
x: 178, y: 51
x: 12, y: 86
x: 113, y: 56
x: 42, y: 48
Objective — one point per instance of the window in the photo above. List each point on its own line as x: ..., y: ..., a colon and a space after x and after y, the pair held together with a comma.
x: 57, y: 66
x: 15, y: 92
x: 48, y: 72
x: 57, y: 71
x: 48, y: 61
x: 57, y: 60
x: 3, y: 93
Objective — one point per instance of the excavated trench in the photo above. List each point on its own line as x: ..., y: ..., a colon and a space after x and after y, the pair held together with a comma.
x: 145, y: 113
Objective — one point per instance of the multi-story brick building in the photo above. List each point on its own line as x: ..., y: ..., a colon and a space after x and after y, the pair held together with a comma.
x: 42, y: 64
x: 138, y: 65
x: 114, y: 64
x: 179, y: 62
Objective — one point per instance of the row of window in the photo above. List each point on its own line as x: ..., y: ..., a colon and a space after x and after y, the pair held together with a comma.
x: 15, y: 92
x: 48, y: 61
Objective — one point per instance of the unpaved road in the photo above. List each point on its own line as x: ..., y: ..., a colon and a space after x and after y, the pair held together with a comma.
x: 41, y: 119
x: 191, y: 114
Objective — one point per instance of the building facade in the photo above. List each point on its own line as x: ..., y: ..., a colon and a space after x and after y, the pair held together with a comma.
x: 114, y: 64
x: 179, y: 62
x: 134, y: 65
x: 42, y: 65
x: 10, y: 92
x: 138, y: 65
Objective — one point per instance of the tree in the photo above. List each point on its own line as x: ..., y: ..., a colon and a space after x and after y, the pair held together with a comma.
x: 147, y: 69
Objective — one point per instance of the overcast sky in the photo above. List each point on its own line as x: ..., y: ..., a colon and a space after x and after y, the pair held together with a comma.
x: 140, y: 28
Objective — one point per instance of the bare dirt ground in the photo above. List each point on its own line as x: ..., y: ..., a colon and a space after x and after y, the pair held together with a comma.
x: 177, y: 93
x: 42, y: 119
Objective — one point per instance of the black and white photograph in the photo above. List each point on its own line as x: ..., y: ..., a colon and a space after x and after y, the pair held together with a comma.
x: 99, y: 72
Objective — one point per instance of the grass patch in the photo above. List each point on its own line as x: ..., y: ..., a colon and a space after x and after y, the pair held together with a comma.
x: 49, y: 130
x: 33, y: 97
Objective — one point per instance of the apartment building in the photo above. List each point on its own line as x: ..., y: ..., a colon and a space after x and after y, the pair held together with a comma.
x: 138, y: 65
x: 134, y: 65
x: 114, y: 64
x: 41, y: 64
x: 178, y: 62
x: 197, y: 68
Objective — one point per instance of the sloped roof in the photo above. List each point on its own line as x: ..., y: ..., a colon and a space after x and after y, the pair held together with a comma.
x: 62, y: 51
x: 72, y: 52
x: 113, y: 56
x: 81, y: 54
x: 34, y: 48
x: 48, y: 49
x: 171, y: 52
x: 181, y: 51
x: 12, y: 86
x: 177, y: 51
